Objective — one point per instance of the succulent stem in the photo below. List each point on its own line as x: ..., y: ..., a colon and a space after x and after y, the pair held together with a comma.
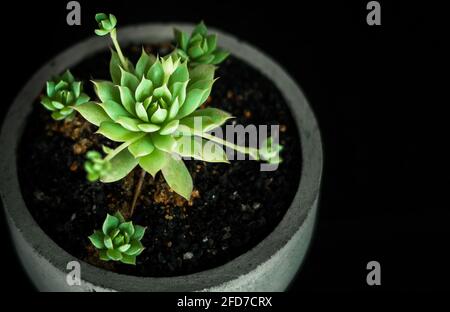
x: 253, y: 152
x: 118, y: 49
x: 137, y: 191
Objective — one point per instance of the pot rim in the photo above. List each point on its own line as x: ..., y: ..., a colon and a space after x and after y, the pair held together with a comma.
x: 306, y: 196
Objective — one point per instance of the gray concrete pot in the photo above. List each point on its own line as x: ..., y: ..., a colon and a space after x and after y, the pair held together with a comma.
x: 270, y: 266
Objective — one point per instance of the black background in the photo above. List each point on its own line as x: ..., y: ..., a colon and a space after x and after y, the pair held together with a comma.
x: 374, y: 89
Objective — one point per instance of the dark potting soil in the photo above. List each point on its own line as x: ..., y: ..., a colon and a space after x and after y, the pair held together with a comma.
x: 233, y: 206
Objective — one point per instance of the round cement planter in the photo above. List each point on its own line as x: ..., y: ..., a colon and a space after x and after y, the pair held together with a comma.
x: 269, y: 266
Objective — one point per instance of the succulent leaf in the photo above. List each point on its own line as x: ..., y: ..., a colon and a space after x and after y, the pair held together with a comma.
x: 122, y: 163
x: 178, y: 177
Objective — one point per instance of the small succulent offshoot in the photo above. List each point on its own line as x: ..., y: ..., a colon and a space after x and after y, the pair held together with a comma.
x: 96, y: 166
x: 200, y: 47
x: 62, y: 94
x: 269, y: 151
x: 118, y: 240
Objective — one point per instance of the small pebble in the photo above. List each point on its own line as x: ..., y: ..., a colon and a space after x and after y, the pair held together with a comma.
x: 74, y: 166
x: 256, y: 206
x: 188, y: 255
x: 39, y: 195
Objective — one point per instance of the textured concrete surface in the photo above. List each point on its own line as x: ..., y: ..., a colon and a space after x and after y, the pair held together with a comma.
x: 270, y: 266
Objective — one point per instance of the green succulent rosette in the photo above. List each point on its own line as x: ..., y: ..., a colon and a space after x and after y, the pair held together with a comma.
x: 153, y: 110
x: 96, y: 166
x: 200, y: 47
x: 118, y: 240
x: 62, y: 93
x: 269, y: 151
x: 106, y: 23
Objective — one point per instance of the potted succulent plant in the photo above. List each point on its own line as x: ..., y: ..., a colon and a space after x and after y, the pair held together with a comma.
x: 130, y: 176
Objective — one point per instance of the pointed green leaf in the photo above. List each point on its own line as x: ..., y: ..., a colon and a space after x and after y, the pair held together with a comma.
x: 116, y: 132
x: 97, y: 239
x: 106, y: 90
x: 178, y: 90
x: 205, y: 59
x: 50, y: 88
x: 149, y: 127
x: 101, y: 32
x: 83, y: 98
x: 141, y: 112
x: 122, y: 163
x: 162, y: 92
x: 212, y: 42
x: 114, y: 109
x: 127, y: 99
x: 128, y: 259
x: 220, y: 56
x: 144, y: 63
x: 124, y: 247
x: 47, y: 103
x: 135, y: 248
x: 156, y: 74
x: 109, y: 224
x: 181, y: 74
x: 114, y: 232
x: 202, y: 72
x: 142, y: 147
x: 92, y: 112
x: 127, y: 227
x: 165, y: 143
x: 128, y: 80
x: 128, y: 123
x: 173, y: 111
x: 169, y: 128
x: 217, y: 117
x: 178, y: 177
x: 144, y: 90
x: 182, y: 39
x: 57, y: 105
x: 76, y: 88
x: 200, y: 29
x: 61, y: 85
x: 192, y: 102
x: 195, y: 51
x: 114, y: 254
x: 107, y: 241
x: 154, y: 162
x: 119, y: 216
x: 103, y: 256
x: 139, y: 232
x: 159, y: 116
